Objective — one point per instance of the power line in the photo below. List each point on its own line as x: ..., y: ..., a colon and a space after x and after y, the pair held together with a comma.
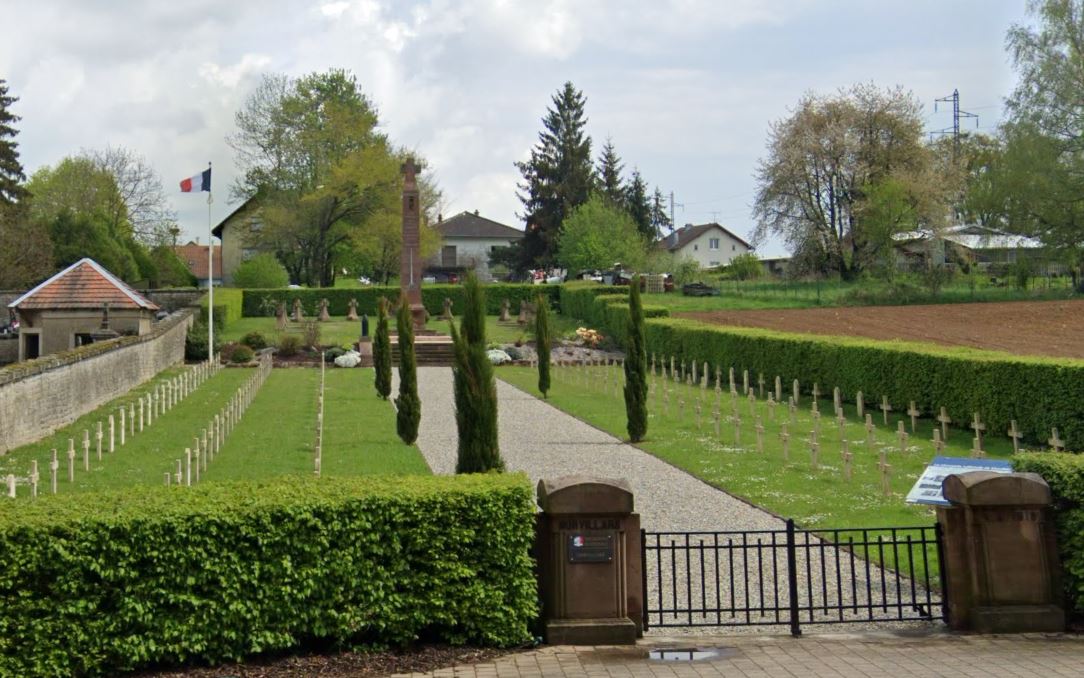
x: 957, y: 115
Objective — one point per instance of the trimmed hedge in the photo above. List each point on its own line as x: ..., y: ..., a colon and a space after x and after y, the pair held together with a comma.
x: 95, y: 584
x: 227, y: 307
x: 1065, y: 475
x: 1039, y: 393
x: 262, y: 302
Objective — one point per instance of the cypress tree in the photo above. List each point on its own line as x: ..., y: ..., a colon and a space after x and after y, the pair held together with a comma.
x: 475, y: 391
x: 11, y: 170
x: 382, y: 351
x: 636, y: 367
x: 408, y: 405
x: 542, y: 344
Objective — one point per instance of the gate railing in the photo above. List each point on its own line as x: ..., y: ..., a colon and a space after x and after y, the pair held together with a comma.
x: 792, y: 576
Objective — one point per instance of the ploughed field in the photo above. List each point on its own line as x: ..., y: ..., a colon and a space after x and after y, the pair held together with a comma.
x: 1041, y: 328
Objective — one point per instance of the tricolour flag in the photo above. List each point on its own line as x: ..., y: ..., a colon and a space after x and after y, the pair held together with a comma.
x: 200, y: 182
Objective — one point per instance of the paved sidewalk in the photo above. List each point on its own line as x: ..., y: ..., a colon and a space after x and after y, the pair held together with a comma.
x: 814, y: 656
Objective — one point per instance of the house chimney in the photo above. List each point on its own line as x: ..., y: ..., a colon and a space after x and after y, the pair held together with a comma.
x: 475, y: 212
x: 440, y: 217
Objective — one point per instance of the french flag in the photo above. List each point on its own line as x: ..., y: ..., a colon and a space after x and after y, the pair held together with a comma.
x: 200, y: 182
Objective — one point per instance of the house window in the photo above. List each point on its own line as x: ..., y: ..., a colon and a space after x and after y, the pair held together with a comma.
x: 255, y: 225
x: 447, y: 256
x: 713, y: 243
x: 733, y: 248
x: 696, y: 248
x: 712, y: 264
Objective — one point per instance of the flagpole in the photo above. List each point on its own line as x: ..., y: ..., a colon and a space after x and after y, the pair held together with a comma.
x: 210, y: 278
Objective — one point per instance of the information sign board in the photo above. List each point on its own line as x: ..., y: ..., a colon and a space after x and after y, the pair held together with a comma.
x: 927, y: 489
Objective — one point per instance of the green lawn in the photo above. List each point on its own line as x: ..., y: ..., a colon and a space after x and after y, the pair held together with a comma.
x: 789, y: 487
x: 340, y: 332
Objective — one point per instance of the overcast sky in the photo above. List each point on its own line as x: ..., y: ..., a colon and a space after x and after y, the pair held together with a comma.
x: 686, y: 89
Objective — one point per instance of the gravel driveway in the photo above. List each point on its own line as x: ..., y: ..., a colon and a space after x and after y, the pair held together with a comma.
x: 544, y: 442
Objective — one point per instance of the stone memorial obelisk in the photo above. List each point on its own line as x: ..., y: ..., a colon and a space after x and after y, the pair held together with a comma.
x: 410, y: 263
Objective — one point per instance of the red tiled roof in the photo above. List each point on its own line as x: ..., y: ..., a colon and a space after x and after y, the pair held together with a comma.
x: 195, y: 258
x: 84, y: 284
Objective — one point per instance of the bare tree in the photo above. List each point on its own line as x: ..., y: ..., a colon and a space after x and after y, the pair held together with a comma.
x: 140, y: 193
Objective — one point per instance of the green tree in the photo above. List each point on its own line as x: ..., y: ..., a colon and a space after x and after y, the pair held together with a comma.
x: 638, y: 205
x: 478, y: 449
x: 744, y: 267
x: 660, y: 220
x: 408, y: 405
x: 1042, y: 177
x: 596, y: 235
x: 824, y: 158
x: 262, y: 271
x: 542, y: 341
x: 557, y: 178
x: 26, y: 252
x: 11, y: 170
x: 636, y: 367
x: 609, y: 169
x: 169, y: 269
x: 382, y: 351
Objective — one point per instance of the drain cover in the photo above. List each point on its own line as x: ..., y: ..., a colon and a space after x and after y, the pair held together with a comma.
x: 688, y: 654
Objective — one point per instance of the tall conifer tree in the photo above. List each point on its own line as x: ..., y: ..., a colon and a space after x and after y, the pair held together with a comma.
x: 609, y: 175
x: 636, y: 367
x: 382, y: 350
x: 542, y: 342
x: 638, y: 205
x: 11, y: 170
x: 558, y: 176
x: 408, y: 406
x: 475, y: 391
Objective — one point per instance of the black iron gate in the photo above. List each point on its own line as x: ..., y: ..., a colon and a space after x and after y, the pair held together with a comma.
x: 792, y: 576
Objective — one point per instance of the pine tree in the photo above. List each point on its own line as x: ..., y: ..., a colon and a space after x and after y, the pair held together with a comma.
x: 475, y: 391
x: 636, y: 367
x: 609, y: 175
x: 557, y: 178
x: 382, y: 351
x: 660, y: 220
x: 408, y: 406
x: 11, y: 170
x: 638, y: 205
x: 542, y: 341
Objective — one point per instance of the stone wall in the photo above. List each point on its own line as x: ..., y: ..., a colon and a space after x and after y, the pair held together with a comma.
x: 39, y: 396
x: 174, y: 298
x: 9, y: 349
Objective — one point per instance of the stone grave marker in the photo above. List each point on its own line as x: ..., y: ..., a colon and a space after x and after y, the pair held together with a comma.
x: 760, y: 383
x: 760, y: 435
x: 837, y: 403
x: 11, y: 485
x: 352, y: 310
x: 1055, y: 442
x: 869, y: 431
x: 901, y: 437
x: 847, y: 459
x: 733, y: 385
x: 715, y: 417
x: 841, y: 422
x: 914, y: 413
x: 698, y: 412
x: 816, y: 391
x: 736, y: 420
x: 886, y: 480
x: 446, y: 312
x: 795, y: 392
x: 54, y: 469
x: 505, y: 317
x: 784, y: 437
x: 745, y: 381
x: 792, y: 410
x: 131, y: 419
x: 814, y: 453
x: 34, y: 478
x: 522, y: 319
x: 860, y: 405
x: 976, y: 448
x: 885, y: 408
x: 168, y: 478
x: 280, y: 316
x: 323, y: 316
x: 71, y: 460
x: 978, y: 426
x: 752, y: 403
x: 188, y: 467
x: 98, y: 437
x: 771, y: 407
x: 86, y: 450
x: 778, y: 389
x: 1015, y: 434
x: 945, y: 420
x: 122, y: 426
x: 938, y: 444
x: 141, y: 414
x: 299, y: 315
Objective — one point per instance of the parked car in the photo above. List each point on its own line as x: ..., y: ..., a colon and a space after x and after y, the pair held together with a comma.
x: 699, y: 289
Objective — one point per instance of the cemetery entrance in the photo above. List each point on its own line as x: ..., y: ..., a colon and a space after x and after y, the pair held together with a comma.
x: 792, y: 577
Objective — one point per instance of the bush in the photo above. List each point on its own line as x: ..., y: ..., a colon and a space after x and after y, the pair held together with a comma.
x: 242, y: 354
x: 262, y: 302
x: 332, y: 353
x: 109, y: 582
x: 254, y: 340
x: 228, y: 303
x: 195, y: 342
x: 289, y: 345
x: 1065, y: 474
x: 261, y: 271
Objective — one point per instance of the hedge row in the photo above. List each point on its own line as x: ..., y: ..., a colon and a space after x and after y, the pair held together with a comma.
x: 1065, y: 475
x: 263, y: 302
x: 1039, y: 393
x: 95, y: 584
x: 228, y: 303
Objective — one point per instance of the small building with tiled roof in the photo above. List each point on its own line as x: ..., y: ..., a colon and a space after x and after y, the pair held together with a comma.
x: 467, y: 240
x: 710, y: 245
x: 82, y: 303
x: 194, y: 256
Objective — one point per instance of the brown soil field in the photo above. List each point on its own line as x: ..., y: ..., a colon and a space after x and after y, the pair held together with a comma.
x: 1036, y: 328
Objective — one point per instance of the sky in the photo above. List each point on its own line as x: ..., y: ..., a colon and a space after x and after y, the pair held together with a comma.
x: 685, y: 89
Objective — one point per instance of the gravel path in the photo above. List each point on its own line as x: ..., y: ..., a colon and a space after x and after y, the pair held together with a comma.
x: 544, y: 442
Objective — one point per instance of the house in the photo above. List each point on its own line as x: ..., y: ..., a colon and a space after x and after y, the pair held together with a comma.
x: 194, y: 256
x: 236, y: 233
x: 82, y: 304
x: 995, y: 250
x: 467, y: 239
x: 710, y: 245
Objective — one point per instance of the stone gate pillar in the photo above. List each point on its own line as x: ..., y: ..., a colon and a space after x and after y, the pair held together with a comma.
x: 588, y: 546
x: 1000, y: 557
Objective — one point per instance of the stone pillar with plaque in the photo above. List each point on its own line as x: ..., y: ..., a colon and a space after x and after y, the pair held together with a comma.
x: 589, y: 558
x: 1000, y: 564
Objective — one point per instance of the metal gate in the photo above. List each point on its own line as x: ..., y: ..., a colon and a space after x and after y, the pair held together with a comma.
x: 792, y: 576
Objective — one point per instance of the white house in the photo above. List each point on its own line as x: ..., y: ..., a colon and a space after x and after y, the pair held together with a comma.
x: 467, y: 240
x: 710, y: 245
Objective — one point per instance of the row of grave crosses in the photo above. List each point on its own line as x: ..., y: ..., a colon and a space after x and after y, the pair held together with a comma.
x: 131, y: 418
x: 209, y: 442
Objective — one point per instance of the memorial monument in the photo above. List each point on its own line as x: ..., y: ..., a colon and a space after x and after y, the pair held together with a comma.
x: 410, y: 261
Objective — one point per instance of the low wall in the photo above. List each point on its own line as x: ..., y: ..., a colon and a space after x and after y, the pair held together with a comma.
x: 39, y: 396
x: 174, y: 298
x: 9, y: 349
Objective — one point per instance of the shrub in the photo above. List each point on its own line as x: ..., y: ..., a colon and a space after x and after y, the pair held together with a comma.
x: 312, y: 333
x: 227, y: 349
x: 254, y: 340
x: 382, y: 351
x: 408, y: 406
x: 261, y: 271
x: 195, y: 342
x: 332, y: 353
x: 543, y: 340
x: 242, y: 354
x: 110, y: 582
x: 636, y: 368
x: 478, y: 450
x: 228, y: 303
x: 289, y: 345
x: 1064, y: 473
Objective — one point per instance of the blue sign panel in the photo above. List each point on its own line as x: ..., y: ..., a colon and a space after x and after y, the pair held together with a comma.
x: 927, y: 489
